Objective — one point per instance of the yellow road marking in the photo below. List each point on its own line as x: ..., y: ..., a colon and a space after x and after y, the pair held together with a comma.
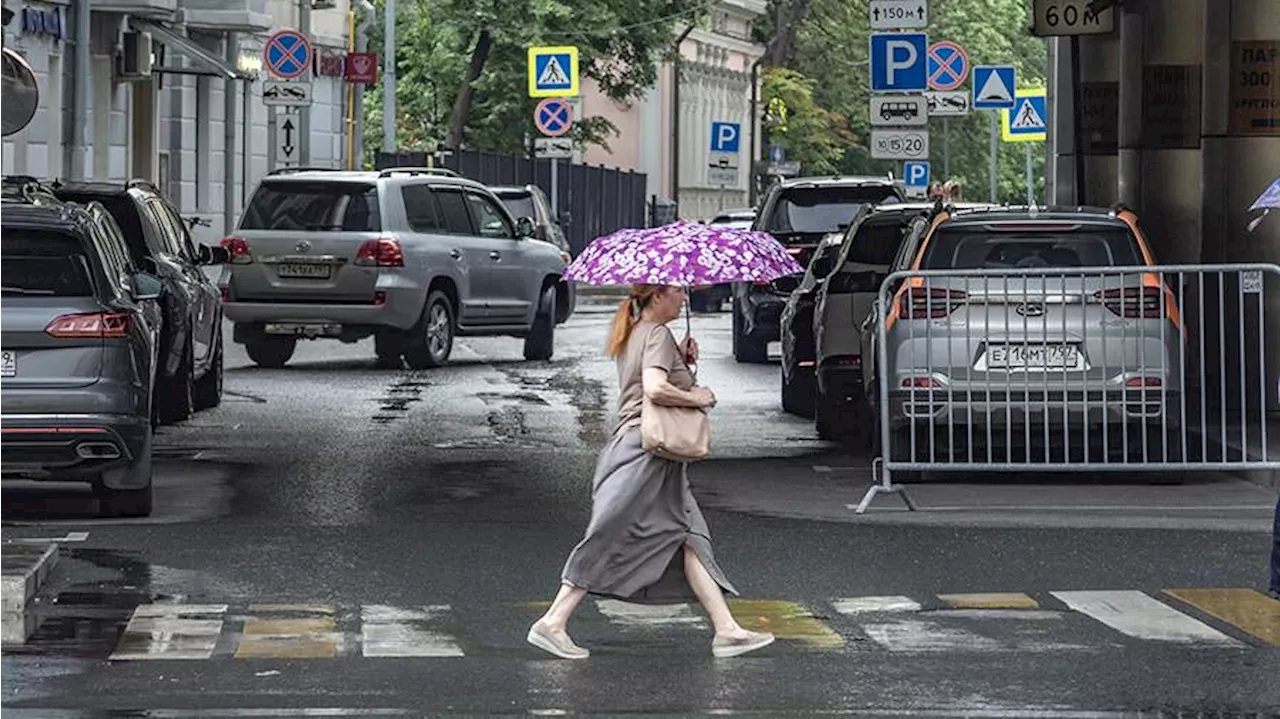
x: 1251, y: 611
x: 289, y: 637
x: 990, y: 600
x: 786, y: 620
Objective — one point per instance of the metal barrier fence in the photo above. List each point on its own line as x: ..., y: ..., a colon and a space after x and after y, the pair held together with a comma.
x: 1073, y: 370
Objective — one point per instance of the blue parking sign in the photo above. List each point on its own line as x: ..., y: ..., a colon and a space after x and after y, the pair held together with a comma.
x: 915, y: 174
x: 899, y: 62
x: 726, y: 137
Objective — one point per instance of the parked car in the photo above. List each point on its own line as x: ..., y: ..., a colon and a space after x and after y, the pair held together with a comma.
x: 189, y: 377
x: 711, y: 299
x: 950, y: 340
x: 867, y: 250
x: 530, y: 201
x: 410, y: 256
x: 80, y: 333
x: 799, y: 213
x: 797, y: 327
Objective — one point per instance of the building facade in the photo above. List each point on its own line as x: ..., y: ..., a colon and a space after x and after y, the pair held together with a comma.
x: 667, y: 133
x: 159, y: 75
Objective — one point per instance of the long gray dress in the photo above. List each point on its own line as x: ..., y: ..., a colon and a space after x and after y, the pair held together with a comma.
x: 642, y: 512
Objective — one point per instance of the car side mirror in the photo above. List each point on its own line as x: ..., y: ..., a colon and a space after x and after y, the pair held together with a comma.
x: 147, y: 287
x: 524, y: 227
x: 207, y: 255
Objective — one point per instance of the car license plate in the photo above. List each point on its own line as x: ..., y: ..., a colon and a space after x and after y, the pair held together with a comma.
x: 303, y: 270
x: 1046, y: 357
x: 8, y: 364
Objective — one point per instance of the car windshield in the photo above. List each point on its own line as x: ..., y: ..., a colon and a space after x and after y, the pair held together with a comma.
x: 42, y: 263
x: 976, y: 248
x: 814, y: 210
x: 520, y: 205
x: 313, y: 206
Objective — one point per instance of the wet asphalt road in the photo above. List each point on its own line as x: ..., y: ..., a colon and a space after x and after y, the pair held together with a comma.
x: 452, y: 497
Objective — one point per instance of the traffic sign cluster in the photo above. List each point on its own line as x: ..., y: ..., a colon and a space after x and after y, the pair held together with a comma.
x: 553, y: 76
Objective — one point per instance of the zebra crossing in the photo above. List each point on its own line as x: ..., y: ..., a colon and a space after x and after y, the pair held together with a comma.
x: 1075, y: 620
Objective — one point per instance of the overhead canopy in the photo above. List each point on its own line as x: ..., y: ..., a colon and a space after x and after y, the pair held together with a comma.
x: 207, y: 63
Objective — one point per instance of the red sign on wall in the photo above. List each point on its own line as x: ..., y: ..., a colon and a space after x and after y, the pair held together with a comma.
x: 329, y: 65
x: 362, y: 67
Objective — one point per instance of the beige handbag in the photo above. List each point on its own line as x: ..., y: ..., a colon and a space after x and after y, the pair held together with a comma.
x: 682, y: 434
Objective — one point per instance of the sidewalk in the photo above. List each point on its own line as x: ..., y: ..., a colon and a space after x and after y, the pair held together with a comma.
x: 25, y: 567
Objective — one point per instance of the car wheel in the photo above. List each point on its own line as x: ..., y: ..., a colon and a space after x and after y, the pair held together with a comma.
x: 175, y: 396
x: 208, y: 389
x: 271, y: 353
x: 128, y: 502
x: 540, y: 344
x: 431, y: 339
x: 798, y: 393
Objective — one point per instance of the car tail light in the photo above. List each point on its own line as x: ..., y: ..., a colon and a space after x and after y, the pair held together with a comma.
x: 845, y: 360
x: 1141, y: 382
x: 380, y: 253
x: 566, y: 258
x: 1133, y: 302
x: 96, y: 324
x: 379, y: 297
x: 239, y: 249
x: 920, y: 383
x: 925, y: 303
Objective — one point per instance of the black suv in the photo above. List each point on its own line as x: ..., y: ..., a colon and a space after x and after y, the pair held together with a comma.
x: 80, y: 332
x: 189, y: 377
x: 799, y: 212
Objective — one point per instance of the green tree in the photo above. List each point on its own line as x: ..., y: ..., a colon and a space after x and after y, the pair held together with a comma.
x: 474, y: 55
x: 811, y: 135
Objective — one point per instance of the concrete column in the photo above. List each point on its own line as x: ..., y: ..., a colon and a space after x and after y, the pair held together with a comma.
x: 1129, y: 106
x: 1169, y: 196
x: 144, y: 119
x: 1100, y: 78
x: 1239, y: 160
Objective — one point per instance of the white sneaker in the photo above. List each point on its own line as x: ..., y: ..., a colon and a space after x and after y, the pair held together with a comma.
x: 724, y: 647
x: 561, y: 647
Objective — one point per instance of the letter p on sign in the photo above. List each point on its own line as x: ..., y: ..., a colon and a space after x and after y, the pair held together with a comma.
x: 725, y: 137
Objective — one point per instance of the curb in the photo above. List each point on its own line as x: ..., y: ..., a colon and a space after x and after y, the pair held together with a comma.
x: 26, y: 568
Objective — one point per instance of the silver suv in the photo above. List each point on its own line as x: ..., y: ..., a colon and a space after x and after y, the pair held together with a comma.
x: 410, y: 256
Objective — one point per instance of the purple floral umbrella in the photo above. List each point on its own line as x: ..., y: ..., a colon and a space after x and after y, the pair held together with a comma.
x: 687, y: 254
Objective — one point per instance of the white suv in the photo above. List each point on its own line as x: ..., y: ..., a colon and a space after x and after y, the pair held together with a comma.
x: 410, y: 256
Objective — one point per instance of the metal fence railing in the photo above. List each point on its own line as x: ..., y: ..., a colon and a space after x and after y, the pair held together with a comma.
x: 1073, y: 370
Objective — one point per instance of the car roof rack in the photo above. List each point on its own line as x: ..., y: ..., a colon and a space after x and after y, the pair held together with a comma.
x: 288, y: 170
x: 442, y: 171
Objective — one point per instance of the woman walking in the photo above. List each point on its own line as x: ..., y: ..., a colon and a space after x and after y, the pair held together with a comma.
x: 647, y: 541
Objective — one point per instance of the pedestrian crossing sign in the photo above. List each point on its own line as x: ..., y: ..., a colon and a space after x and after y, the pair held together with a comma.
x: 1028, y: 119
x: 553, y: 71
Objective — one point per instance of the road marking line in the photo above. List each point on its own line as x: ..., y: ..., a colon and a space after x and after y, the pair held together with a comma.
x: 864, y: 605
x: 914, y: 635
x: 1250, y: 611
x: 171, y: 631
x: 388, y: 631
x: 310, y: 636
x: 786, y: 620
x: 1138, y: 615
x: 650, y: 615
x: 991, y: 600
x: 71, y: 537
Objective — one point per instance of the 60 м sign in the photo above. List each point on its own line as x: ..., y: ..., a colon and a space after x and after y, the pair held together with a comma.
x: 1070, y: 17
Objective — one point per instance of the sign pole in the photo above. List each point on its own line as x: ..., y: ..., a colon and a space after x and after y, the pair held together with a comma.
x: 271, y: 138
x: 946, y: 147
x: 1031, y: 183
x: 721, y: 198
x: 555, y: 188
x: 993, y: 169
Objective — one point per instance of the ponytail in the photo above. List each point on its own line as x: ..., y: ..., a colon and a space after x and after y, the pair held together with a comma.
x: 628, y: 313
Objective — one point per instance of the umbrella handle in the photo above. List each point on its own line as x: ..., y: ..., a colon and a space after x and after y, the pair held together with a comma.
x: 688, y: 332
